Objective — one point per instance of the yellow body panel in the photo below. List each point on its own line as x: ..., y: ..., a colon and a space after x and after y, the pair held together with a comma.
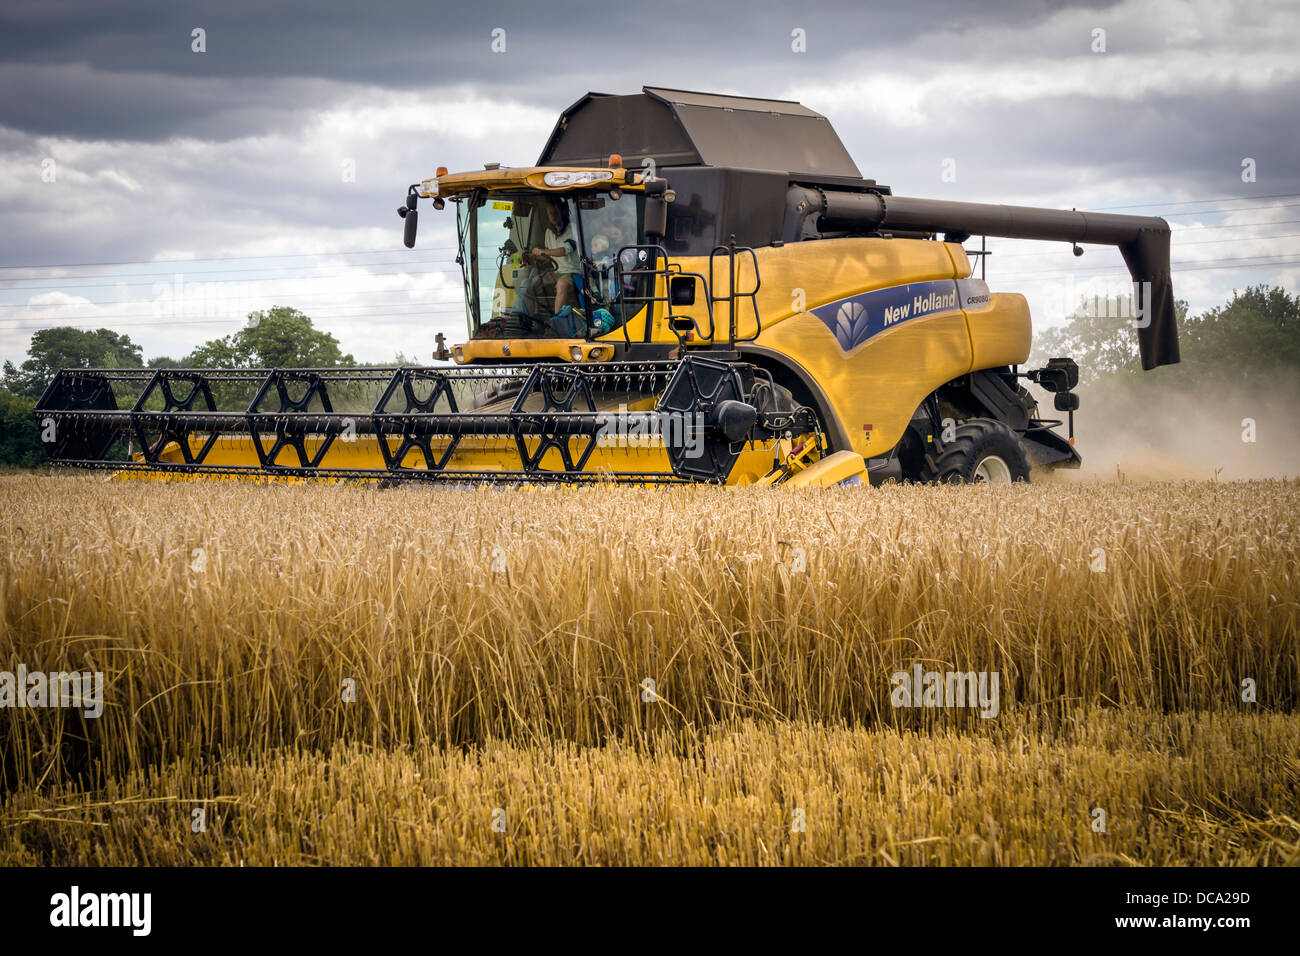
x: 801, y: 276
x: 472, y: 455
x: 1000, y: 332
x: 834, y: 469
x: 873, y: 389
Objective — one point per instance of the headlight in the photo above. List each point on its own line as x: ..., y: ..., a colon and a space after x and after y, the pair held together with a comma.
x: 577, y: 179
x: 575, y: 353
x: 458, y: 353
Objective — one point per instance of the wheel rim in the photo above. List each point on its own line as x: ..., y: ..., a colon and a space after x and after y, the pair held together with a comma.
x: 992, y: 470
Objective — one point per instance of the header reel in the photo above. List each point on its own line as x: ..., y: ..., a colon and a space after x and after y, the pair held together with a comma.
x: 546, y: 422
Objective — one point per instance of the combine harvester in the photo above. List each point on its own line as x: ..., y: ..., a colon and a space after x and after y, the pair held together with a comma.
x: 685, y: 288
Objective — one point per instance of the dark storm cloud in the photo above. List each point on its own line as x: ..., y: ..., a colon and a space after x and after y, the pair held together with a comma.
x: 75, y: 101
x: 125, y: 70
x: 1171, y: 142
x: 1044, y: 147
x: 167, y: 154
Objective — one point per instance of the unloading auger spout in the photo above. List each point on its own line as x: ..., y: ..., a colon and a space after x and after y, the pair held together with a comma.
x: 1143, y: 241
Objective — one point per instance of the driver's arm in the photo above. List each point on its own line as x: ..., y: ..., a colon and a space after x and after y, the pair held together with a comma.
x: 564, y: 243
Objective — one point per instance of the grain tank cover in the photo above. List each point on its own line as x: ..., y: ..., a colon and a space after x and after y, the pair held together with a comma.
x: 680, y: 128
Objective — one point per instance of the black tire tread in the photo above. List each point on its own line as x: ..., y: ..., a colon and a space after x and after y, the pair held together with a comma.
x: 952, y: 462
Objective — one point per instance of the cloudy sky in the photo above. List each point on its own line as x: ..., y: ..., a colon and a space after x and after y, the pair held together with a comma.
x: 166, y: 193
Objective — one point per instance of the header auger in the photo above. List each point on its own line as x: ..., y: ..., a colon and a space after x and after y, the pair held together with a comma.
x: 685, y: 288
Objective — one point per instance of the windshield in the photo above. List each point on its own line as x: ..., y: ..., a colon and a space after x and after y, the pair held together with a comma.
x: 543, y: 265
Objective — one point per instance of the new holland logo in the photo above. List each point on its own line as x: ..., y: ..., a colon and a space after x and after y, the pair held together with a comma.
x: 850, y: 324
x: 856, y: 319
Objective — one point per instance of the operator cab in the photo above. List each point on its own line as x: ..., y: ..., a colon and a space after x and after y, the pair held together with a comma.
x: 543, y: 265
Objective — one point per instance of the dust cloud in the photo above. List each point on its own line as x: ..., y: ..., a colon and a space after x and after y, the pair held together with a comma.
x: 1176, y: 431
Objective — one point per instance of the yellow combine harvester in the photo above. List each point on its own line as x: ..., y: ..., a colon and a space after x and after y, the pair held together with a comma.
x: 686, y: 287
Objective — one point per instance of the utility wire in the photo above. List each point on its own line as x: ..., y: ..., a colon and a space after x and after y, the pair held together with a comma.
x: 1175, y: 245
x: 78, y: 323
x: 182, y: 319
x: 279, y: 255
x: 61, y: 281
x: 1190, y: 202
x: 1178, y: 268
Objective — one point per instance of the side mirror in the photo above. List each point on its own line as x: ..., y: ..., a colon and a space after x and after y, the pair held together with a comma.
x: 656, y: 218
x: 412, y: 219
x: 656, y: 208
x: 1066, y: 402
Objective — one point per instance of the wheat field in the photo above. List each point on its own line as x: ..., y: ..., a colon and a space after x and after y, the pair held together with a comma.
x: 333, y: 674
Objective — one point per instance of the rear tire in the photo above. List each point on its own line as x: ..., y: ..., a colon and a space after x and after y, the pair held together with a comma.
x: 983, y: 451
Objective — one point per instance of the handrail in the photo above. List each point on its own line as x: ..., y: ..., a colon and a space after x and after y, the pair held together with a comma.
x: 730, y: 250
x: 668, y: 271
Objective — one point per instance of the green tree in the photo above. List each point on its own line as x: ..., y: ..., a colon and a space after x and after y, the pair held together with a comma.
x: 20, y: 442
x: 279, y: 337
x: 1255, y: 335
x: 66, y: 347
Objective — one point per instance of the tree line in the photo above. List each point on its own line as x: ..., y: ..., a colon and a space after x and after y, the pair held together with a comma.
x: 279, y: 337
x: 1253, y: 338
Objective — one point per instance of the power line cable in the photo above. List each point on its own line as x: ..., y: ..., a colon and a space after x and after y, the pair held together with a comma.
x: 150, y: 262
x: 1179, y: 267
x: 61, y: 281
x: 1176, y: 245
x: 79, y: 324
x: 1190, y: 202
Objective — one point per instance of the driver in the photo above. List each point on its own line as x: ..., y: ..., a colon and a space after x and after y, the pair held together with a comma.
x: 562, y: 246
